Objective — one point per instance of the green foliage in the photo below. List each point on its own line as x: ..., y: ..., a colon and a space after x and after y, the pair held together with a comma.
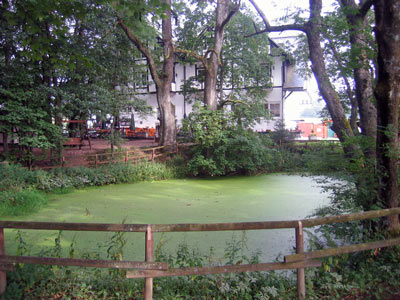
x: 223, y: 147
x: 13, y: 203
x: 366, y: 275
x: 245, y: 62
x: 15, y: 177
x: 61, y: 59
x: 21, y: 190
x: 280, y: 134
x: 106, y: 174
x: 47, y: 282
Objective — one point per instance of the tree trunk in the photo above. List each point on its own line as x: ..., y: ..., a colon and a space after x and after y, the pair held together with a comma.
x: 167, y: 126
x: 223, y: 15
x: 341, y: 125
x: 387, y: 94
x: 349, y: 90
x: 5, y: 144
x: 312, y: 28
x: 210, y: 87
x: 162, y: 81
x: 362, y: 78
x: 58, y: 122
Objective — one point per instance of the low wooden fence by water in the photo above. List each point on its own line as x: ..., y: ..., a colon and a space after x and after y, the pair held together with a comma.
x: 127, y: 156
x: 149, y: 269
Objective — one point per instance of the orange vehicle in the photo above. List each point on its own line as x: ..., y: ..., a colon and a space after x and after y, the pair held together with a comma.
x: 144, y: 133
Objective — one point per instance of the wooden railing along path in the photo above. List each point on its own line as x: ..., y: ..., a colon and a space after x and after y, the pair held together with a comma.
x: 149, y: 269
x: 127, y: 156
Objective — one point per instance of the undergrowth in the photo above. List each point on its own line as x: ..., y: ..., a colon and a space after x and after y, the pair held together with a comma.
x: 23, y: 191
x: 365, y: 275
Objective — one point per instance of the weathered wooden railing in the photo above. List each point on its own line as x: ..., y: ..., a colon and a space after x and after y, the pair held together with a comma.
x: 150, y: 269
x: 127, y: 156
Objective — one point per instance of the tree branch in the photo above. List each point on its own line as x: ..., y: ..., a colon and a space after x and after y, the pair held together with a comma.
x: 230, y: 15
x: 233, y: 101
x: 261, y: 13
x: 192, y: 54
x: 362, y: 8
x: 269, y: 28
x: 365, y: 7
x: 143, y: 49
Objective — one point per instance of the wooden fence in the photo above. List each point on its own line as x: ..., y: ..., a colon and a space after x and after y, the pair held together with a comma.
x: 149, y: 269
x: 127, y: 156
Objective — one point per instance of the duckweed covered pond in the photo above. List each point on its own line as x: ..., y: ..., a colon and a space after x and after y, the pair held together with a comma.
x: 229, y: 199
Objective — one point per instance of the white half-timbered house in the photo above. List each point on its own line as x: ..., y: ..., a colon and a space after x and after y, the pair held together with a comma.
x: 284, y: 81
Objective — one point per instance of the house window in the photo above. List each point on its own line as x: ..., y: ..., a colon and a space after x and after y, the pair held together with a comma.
x: 274, y: 109
x: 200, y: 73
x: 141, y: 80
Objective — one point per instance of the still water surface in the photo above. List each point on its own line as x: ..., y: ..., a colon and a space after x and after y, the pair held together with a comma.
x: 231, y: 199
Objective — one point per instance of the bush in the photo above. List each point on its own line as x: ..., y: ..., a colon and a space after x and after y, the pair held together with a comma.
x: 16, y: 177
x: 106, y: 174
x: 223, y: 147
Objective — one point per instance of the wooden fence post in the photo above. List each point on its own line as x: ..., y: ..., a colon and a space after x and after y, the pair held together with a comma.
x: 148, y: 288
x: 95, y: 161
x: 3, y: 275
x: 301, y: 279
x: 126, y: 157
x: 152, y: 155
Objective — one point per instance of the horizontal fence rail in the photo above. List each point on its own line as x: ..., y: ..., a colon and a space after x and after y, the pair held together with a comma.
x: 149, y: 269
x: 223, y: 269
x: 89, y: 263
x: 201, y: 227
x: 126, y: 156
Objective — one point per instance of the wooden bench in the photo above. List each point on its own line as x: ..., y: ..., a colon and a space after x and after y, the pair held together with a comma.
x: 75, y: 141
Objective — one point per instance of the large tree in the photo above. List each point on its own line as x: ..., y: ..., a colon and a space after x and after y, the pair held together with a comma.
x: 224, y: 13
x: 211, y: 60
x: 312, y: 29
x: 244, y: 71
x: 387, y: 94
x: 383, y: 125
x: 163, y: 76
x: 356, y: 16
x: 59, y: 61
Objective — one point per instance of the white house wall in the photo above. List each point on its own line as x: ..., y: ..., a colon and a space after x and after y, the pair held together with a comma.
x: 151, y: 120
x: 148, y: 94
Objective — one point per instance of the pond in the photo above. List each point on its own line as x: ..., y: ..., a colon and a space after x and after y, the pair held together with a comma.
x: 231, y: 199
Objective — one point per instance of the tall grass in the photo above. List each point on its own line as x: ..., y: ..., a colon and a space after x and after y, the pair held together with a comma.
x: 14, y: 203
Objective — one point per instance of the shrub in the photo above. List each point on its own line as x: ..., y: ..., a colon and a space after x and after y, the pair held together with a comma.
x: 223, y: 147
x: 13, y: 176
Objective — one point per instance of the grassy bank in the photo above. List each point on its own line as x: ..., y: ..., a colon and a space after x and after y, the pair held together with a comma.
x: 23, y: 191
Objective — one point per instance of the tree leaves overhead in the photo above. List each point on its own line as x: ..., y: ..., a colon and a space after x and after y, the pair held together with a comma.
x: 60, y: 59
